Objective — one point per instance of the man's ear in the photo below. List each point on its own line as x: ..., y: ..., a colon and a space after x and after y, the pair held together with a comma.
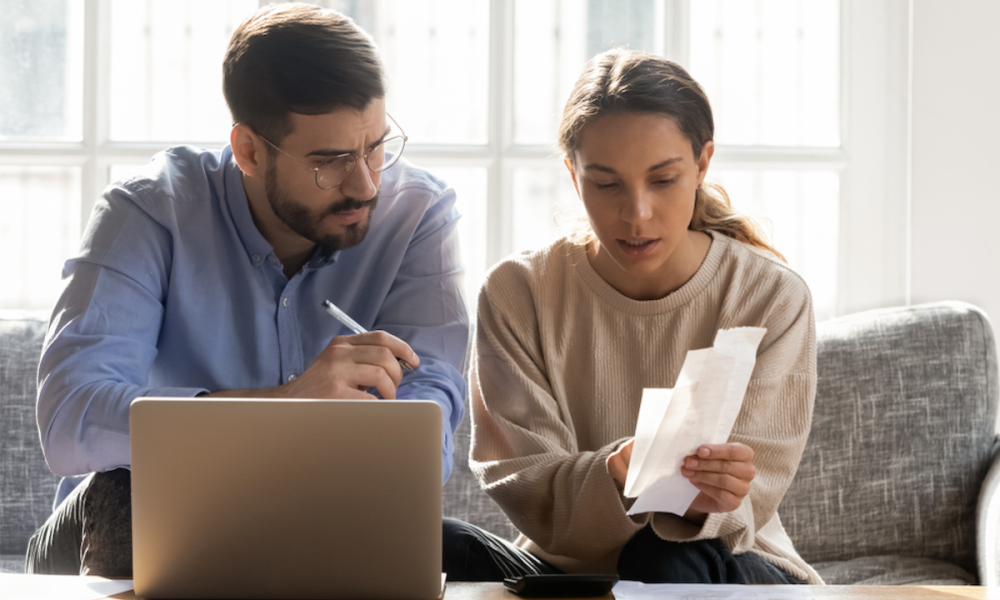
x: 572, y: 174
x: 247, y: 150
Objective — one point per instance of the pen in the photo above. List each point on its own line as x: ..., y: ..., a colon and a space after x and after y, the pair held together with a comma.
x: 351, y: 324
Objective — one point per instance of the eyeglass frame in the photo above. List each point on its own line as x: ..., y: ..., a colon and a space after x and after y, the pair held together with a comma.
x: 354, y: 163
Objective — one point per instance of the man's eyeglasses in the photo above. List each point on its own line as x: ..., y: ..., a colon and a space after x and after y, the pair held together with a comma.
x: 335, y: 169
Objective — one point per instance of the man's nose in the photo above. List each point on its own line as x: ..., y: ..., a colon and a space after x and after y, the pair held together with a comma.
x: 361, y: 183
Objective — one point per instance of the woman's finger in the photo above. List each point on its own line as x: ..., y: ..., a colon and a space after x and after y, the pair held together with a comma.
x: 733, y: 451
x: 740, y: 470
x: 715, y: 500
x: 738, y: 487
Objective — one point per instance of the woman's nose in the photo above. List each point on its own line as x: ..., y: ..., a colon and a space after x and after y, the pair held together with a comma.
x: 637, y: 207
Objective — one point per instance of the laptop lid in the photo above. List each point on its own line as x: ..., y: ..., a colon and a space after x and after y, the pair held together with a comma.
x: 235, y: 498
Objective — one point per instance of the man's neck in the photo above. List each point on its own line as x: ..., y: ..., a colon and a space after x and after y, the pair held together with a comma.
x: 291, y: 250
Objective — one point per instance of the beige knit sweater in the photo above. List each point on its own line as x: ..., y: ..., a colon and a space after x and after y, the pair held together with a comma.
x: 561, y: 359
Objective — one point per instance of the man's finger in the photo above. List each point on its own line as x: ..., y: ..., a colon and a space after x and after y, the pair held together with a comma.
x: 396, y: 346
x: 375, y: 376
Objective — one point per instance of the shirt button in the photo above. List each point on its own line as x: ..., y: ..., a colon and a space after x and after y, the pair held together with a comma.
x: 256, y: 258
x: 286, y: 302
x: 291, y: 378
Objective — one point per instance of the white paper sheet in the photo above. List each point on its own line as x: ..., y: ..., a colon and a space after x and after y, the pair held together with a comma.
x: 700, y: 409
x: 634, y: 590
x: 64, y: 587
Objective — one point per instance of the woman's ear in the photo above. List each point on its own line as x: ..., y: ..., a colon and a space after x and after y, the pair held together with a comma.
x: 706, y: 157
x: 243, y: 141
x: 572, y: 174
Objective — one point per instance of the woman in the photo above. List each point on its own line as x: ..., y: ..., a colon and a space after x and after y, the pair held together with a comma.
x: 569, y: 336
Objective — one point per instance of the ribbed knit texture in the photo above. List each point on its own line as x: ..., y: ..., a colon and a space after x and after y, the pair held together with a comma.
x: 561, y: 359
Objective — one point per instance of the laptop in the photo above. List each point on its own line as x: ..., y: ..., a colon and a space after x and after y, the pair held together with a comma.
x: 297, y: 499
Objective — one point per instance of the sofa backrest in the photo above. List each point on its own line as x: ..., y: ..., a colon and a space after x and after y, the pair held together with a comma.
x: 902, y: 436
x: 27, y: 487
x: 461, y: 497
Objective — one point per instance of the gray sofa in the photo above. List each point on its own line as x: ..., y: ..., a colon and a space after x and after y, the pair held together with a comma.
x: 897, y: 484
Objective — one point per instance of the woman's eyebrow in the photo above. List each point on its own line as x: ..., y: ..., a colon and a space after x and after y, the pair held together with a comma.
x: 335, y: 152
x: 660, y: 165
x: 665, y: 163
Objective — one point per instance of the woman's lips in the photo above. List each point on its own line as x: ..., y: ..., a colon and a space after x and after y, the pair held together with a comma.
x: 637, y: 248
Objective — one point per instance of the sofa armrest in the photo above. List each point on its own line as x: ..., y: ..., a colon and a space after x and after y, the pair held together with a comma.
x: 988, y: 524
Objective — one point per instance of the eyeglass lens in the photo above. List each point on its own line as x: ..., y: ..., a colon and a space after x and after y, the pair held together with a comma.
x: 333, y: 173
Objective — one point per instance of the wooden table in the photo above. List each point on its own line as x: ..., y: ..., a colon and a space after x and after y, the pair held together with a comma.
x: 496, y: 591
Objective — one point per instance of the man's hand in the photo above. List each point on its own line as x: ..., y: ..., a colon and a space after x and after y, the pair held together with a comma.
x: 723, y: 473
x: 350, y: 364
x: 617, y: 463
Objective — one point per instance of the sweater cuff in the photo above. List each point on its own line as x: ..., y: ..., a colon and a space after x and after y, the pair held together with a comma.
x: 735, y: 527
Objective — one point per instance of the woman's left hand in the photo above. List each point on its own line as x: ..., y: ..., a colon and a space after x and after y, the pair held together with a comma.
x: 723, y: 473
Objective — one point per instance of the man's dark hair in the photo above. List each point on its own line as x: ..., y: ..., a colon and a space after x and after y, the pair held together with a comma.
x: 298, y: 58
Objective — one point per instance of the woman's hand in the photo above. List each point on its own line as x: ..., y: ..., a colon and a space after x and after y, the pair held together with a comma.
x: 723, y: 473
x: 617, y: 463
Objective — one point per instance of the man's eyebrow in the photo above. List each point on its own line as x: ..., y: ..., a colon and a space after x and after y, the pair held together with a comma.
x: 660, y: 165
x: 328, y: 152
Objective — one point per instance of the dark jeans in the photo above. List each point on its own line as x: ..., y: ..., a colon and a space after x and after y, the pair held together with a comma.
x: 90, y: 533
x: 647, y: 558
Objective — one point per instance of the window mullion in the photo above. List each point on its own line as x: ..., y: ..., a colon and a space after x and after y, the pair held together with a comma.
x: 97, y: 25
x: 499, y: 184
x: 677, y: 31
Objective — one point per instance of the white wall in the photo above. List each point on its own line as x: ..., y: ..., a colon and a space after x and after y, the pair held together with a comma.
x: 955, y: 133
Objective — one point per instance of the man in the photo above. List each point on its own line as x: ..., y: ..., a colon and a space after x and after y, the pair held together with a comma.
x: 206, y: 274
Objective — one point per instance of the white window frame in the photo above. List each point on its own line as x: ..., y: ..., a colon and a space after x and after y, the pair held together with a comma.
x: 872, y: 159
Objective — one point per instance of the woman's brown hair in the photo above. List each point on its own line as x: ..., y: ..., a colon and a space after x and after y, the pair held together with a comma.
x: 624, y: 81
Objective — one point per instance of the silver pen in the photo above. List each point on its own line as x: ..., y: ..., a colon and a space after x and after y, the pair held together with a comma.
x: 351, y: 324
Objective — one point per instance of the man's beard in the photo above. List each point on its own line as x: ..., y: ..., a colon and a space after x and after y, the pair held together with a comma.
x: 305, y: 223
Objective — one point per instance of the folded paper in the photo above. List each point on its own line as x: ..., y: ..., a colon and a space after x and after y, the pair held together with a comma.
x: 700, y: 409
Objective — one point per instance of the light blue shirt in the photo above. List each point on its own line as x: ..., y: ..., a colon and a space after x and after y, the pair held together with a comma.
x: 175, y: 293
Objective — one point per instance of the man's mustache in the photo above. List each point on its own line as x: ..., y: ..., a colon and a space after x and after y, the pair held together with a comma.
x: 351, y: 204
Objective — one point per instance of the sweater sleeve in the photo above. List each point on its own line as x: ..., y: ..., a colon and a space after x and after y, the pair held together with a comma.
x: 524, y: 448
x: 774, y: 420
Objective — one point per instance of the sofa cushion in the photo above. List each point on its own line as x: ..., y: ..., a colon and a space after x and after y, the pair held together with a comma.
x: 26, y: 485
x: 11, y: 563
x: 893, y: 570
x: 902, y: 437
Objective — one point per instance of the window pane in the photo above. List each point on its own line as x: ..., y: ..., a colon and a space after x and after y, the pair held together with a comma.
x: 771, y: 69
x: 39, y: 230
x: 41, y: 69
x: 436, y: 54
x: 545, y: 207
x: 554, y: 39
x: 166, y: 68
x: 470, y: 189
x: 800, y: 211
